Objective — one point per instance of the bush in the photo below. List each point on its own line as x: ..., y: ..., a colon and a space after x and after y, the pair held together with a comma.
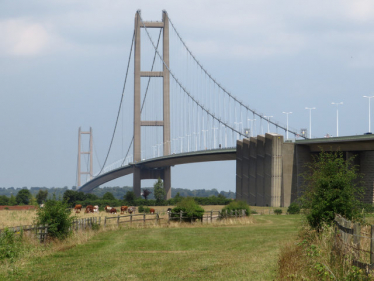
x: 10, y: 244
x: 333, y: 187
x: 57, y: 215
x: 236, y: 206
x: 140, y: 209
x: 190, y: 209
x: 293, y: 209
x: 278, y: 211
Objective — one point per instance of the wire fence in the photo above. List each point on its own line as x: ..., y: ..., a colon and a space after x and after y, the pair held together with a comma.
x: 356, y: 239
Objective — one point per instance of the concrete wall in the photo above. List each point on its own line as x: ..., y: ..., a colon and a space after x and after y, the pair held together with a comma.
x: 269, y: 172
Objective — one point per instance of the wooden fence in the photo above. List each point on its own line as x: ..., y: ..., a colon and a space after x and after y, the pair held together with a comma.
x: 207, y: 217
x: 356, y: 239
x: 41, y: 231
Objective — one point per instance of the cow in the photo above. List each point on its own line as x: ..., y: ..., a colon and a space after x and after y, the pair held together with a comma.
x: 123, y: 209
x: 113, y: 211
x: 107, y: 208
x: 89, y: 209
x: 41, y: 206
x: 152, y: 211
x: 96, y: 209
x: 131, y: 210
x: 78, y: 208
x: 169, y: 210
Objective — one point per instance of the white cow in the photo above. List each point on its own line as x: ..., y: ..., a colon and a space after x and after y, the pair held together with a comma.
x: 96, y: 209
x: 107, y: 209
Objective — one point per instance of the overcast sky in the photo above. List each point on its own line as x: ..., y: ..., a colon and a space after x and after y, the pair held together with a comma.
x: 63, y: 65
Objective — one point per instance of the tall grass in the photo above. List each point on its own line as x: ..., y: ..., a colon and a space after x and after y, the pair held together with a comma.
x: 317, y: 256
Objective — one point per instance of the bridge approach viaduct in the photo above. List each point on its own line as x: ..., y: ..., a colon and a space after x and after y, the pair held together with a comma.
x: 268, y: 169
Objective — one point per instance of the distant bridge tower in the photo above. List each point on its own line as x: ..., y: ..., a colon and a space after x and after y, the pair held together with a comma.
x: 80, y: 153
x: 139, y: 173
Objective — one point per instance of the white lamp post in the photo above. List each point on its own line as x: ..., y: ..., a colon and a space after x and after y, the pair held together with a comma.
x: 337, y: 116
x: 268, y: 117
x: 310, y: 120
x: 287, y: 121
x: 369, y: 97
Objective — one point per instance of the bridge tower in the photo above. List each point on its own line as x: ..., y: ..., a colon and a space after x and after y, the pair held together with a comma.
x: 80, y: 152
x: 163, y: 173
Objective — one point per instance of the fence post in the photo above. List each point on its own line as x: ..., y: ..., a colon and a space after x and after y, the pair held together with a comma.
x: 356, y: 238
x: 118, y: 221
x: 105, y: 222
x: 180, y: 217
x: 131, y: 219
x: 211, y: 216
x: 372, y: 245
x: 157, y: 218
x: 144, y: 219
x: 169, y: 214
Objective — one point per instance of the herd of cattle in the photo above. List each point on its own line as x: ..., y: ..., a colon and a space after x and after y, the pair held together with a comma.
x: 108, y: 209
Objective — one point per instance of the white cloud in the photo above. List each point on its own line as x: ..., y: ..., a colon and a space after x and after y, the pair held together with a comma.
x: 27, y: 38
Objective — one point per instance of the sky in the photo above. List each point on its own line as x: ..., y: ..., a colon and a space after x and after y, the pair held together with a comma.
x: 63, y: 64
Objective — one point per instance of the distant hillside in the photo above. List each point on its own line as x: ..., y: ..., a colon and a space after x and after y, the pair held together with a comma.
x: 119, y: 192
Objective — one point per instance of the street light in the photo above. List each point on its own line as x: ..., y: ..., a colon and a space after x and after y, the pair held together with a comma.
x: 310, y: 120
x: 369, y: 97
x: 268, y: 117
x: 337, y: 117
x: 287, y: 121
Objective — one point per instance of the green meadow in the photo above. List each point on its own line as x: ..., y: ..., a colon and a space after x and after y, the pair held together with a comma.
x: 200, y: 252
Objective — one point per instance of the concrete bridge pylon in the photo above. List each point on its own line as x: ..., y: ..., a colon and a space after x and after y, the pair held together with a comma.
x: 165, y: 172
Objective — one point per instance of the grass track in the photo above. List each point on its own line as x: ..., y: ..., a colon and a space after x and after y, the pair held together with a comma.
x: 238, y: 252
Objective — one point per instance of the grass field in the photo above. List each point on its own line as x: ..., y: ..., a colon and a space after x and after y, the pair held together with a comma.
x: 235, y: 251
x: 11, y: 218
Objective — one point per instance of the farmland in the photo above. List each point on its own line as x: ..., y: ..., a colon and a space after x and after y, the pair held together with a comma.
x: 242, y: 249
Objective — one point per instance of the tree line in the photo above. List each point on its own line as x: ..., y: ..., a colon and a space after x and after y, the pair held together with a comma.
x: 123, y: 196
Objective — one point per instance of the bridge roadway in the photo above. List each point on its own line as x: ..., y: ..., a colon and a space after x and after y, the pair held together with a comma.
x: 160, y: 162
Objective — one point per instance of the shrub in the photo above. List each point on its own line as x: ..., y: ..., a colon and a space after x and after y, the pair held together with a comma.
x: 146, y: 210
x: 140, y: 209
x: 57, y: 215
x: 254, y: 212
x: 236, y: 206
x: 10, y: 244
x: 278, y: 211
x: 333, y: 187
x: 293, y: 209
x: 190, y: 209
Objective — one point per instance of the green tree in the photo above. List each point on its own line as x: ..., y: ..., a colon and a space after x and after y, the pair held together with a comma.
x: 4, y: 200
x: 12, y: 200
x: 130, y: 197
x: 332, y: 187
x: 108, y: 196
x: 41, y: 196
x: 58, y: 217
x: 23, y: 197
x: 158, y: 190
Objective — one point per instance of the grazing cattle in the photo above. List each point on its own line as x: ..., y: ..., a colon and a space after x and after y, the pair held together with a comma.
x: 96, y: 209
x: 41, y: 206
x: 131, y: 210
x: 169, y: 210
x: 152, y: 211
x: 89, y: 209
x: 107, y: 208
x: 123, y: 209
x: 113, y: 211
x: 78, y: 208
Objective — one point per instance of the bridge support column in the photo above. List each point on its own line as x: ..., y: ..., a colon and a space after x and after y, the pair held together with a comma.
x: 167, y: 182
x: 137, y: 181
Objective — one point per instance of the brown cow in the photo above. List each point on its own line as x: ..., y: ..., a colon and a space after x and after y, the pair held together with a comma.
x: 123, y: 209
x: 113, y: 211
x: 78, y: 208
x: 152, y: 211
x: 107, y: 208
x: 89, y: 209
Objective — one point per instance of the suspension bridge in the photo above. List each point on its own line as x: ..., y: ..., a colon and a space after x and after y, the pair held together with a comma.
x: 180, y: 113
